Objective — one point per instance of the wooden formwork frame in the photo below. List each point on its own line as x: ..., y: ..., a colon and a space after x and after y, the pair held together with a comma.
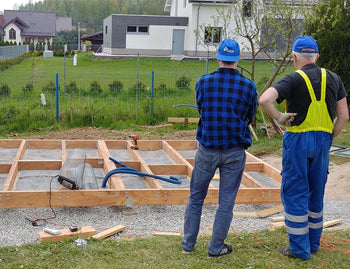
x: 116, y: 194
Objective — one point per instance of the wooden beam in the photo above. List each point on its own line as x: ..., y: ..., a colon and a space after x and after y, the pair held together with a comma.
x: 84, y: 232
x: 109, y: 232
x: 77, y: 198
x: 176, y: 157
x: 151, y: 182
x: 43, y: 144
x: 168, y: 169
x: 249, y: 182
x: 189, y: 120
x: 272, y: 172
x: 270, y: 211
x: 115, y: 181
x: 12, y: 175
x: 39, y: 165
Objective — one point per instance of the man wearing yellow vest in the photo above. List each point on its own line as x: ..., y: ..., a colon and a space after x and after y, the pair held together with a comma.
x: 317, y: 111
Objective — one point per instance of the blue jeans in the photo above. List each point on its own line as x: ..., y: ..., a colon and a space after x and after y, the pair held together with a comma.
x: 231, y: 164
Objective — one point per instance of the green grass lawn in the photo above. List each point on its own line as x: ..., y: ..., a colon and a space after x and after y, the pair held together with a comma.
x: 251, y: 250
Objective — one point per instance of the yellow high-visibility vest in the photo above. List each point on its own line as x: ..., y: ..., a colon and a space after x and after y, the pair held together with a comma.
x: 317, y: 118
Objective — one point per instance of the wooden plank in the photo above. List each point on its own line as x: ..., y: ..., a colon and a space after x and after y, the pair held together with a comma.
x: 148, y: 144
x: 115, y: 181
x: 272, y: 172
x: 107, y: 197
x: 168, y: 169
x: 39, y: 165
x: 275, y: 225
x: 109, y: 232
x: 251, y: 158
x: 85, y: 232
x: 43, y: 144
x: 338, y: 228
x: 176, y: 157
x: 167, y: 234
x: 270, y: 211
x: 12, y: 175
x: 83, y: 144
x: 5, y: 168
x: 253, y: 167
x: 243, y: 214
x: 151, y: 182
x: 331, y: 223
x: 250, y: 182
x: 183, y: 144
x: 9, y: 144
x: 189, y: 120
x: 277, y: 219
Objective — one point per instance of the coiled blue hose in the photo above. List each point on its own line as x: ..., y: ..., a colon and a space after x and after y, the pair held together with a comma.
x: 128, y: 170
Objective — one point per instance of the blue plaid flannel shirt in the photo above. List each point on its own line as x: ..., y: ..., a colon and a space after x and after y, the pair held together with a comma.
x: 226, y: 103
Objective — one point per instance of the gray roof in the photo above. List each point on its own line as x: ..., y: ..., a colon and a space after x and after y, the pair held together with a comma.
x: 38, y: 23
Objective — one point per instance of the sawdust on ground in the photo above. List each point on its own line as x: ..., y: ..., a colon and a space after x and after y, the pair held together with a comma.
x: 338, y: 185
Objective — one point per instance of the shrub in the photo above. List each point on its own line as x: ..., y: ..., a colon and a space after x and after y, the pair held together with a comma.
x: 116, y: 86
x: 28, y: 88
x: 161, y: 87
x: 95, y: 87
x: 50, y: 87
x: 183, y: 82
x: 4, y: 89
x: 72, y: 87
x: 140, y: 86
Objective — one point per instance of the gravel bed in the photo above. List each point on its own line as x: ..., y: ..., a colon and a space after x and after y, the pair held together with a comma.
x: 15, y: 230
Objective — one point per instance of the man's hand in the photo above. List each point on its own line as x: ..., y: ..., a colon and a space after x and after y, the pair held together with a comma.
x: 286, y: 118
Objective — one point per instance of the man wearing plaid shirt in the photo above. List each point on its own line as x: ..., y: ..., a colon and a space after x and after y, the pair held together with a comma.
x: 226, y: 103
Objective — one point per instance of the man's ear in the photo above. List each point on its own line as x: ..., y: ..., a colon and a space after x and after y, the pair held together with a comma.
x: 318, y: 55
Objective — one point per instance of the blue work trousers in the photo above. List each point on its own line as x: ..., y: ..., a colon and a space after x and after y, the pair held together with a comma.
x: 305, y: 164
x: 231, y: 166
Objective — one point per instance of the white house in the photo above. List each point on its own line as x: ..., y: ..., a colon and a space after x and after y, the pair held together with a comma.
x: 177, y: 34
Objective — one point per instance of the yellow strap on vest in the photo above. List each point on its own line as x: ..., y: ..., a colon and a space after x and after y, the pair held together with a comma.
x: 317, y: 118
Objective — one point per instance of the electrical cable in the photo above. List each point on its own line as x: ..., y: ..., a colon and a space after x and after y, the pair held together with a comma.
x: 45, y: 220
x: 128, y: 170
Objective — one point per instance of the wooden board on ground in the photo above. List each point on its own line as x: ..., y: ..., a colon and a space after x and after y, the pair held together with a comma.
x: 116, y: 191
x: 167, y: 234
x: 109, y: 232
x: 270, y: 211
x: 85, y: 232
x: 326, y: 224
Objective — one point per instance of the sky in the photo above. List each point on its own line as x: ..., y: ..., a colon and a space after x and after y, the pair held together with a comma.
x: 9, y: 4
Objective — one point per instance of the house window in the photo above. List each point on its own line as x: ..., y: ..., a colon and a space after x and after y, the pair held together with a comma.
x: 12, y: 34
x: 106, y: 29
x: 247, y: 8
x: 137, y: 29
x: 212, y: 35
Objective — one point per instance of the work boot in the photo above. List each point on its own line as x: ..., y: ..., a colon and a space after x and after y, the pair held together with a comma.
x: 226, y: 249
x: 287, y: 252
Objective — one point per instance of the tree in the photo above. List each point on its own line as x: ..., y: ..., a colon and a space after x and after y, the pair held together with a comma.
x: 266, y: 28
x: 263, y: 28
x: 330, y: 26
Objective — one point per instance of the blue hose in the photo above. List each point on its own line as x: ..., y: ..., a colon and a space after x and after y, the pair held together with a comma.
x: 128, y: 170
x: 186, y: 105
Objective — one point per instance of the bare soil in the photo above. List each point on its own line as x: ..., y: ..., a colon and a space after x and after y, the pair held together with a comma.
x: 338, y: 185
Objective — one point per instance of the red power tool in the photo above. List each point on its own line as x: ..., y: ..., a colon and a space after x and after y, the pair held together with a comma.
x: 134, y: 138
